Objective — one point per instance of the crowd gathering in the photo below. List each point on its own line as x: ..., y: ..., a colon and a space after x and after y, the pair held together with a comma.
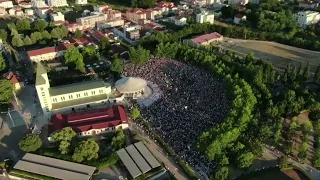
x: 192, y: 102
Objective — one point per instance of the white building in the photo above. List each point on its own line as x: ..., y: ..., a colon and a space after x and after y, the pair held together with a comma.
x: 3, y: 11
x: 42, y: 12
x: 242, y: 2
x: 81, y: 2
x: 38, y: 3
x: 29, y: 12
x: 71, y: 97
x: 205, y: 17
x: 57, y: 3
x: 238, y: 18
x: 6, y: 4
x: 57, y: 16
x: 305, y: 18
x: 179, y: 21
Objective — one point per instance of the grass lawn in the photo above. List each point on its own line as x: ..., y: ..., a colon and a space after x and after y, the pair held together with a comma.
x: 276, y: 174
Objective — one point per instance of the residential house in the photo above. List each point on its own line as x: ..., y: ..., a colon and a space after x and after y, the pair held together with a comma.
x: 57, y: 3
x: 166, y: 7
x: 110, y: 23
x: 43, y: 12
x: 15, y: 78
x: 204, y: 40
x: 81, y: 2
x: 152, y: 13
x: 74, y: 26
x: 238, y: 18
x: 3, y: 11
x: 38, y: 3
x: 309, y: 4
x: 237, y: 2
x: 6, y: 4
x: 178, y: 20
x: 305, y: 18
x: 100, y: 8
x: 57, y: 16
x: 91, y: 21
x: 25, y: 4
x: 29, y: 12
x: 136, y: 14
x: 205, y: 17
x: 48, y: 53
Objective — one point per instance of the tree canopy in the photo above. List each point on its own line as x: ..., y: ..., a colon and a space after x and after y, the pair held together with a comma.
x: 117, y: 65
x: 86, y: 150
x: 139, y: 55
x: 135, y: 113
x: 3, y: 63
x: 74, y: 57
x: 119, y: 140
x: 222, y: 173
x: 30, y: 143
x: 40, y: 25
x: 6, y: 91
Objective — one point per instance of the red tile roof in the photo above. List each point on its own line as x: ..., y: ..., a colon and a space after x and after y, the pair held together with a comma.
x: 239, y: 16
x: 206, y: 37
x: 165, y: 4
x: 14, y: 77
x: 60, y: 47
x: 84, y: 121
x: 82, y: 41
x: 99, y: 36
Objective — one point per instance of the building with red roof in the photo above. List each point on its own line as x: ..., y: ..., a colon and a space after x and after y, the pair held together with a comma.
x: 166, y: 6
x: 136, y: 14
x: 48, y: 53
x: 204, y: 40
x: 88, y: 123
x: 238, y: 18
x: 15, y: 78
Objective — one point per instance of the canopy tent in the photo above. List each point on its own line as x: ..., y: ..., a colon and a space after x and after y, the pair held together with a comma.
x: 130, y: 84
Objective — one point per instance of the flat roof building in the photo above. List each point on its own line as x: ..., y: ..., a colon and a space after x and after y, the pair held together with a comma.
x: 54, y: 168
x: 204, y: 40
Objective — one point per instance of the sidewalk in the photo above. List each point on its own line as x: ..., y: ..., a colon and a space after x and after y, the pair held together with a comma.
x: 170, y: 164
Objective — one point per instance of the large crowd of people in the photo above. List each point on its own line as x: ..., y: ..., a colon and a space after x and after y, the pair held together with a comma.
x: 192, y: 101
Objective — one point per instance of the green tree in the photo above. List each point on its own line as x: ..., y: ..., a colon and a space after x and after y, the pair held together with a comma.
x: 45, y: 35
x: 90, y: 52
x: 35, y: 37
x: 23, y: 25
x: 105, y: 45
x: 135, y: 113
x: 64, y: 137
x: 17, y: 41
x: 78, y: 34
x: 73, y: 57
x: 245, y: 160
x: 119, y: 140
x: 65, y: 134
x: 139, y: 55
x: 283, y: 162
x: 306, y: 71
x: 117, y: 66
x: 40, y: 25
x: 315, y: 116
x: 316, y: 76
x: 27, y: 41
x: 3, y: 35
x: 3, y: 63
x: 222, y: 173
x: 56, y: 33
x: 30, y: 143
x: 86, y: 150
x: 64, y: 31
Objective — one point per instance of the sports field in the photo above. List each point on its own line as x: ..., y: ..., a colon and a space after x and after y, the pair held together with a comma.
x: 277, y: 54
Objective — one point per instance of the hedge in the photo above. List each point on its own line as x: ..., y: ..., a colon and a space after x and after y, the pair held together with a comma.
x: 30, y: 175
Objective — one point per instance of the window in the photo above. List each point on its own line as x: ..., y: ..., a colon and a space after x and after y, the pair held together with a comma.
x: 85, y: 94
x: 70, y: 97
x: 101, y: 91
x: 78, y: 95
x: 62, y: 98
x: 93, y: 92
x: 54, y: 100
x: 41, y: 89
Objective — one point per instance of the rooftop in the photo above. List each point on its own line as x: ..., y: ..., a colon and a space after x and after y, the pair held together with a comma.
x: 206, y: 37
x: 54, y: 167
x: 77, y: 87
x: 14, y: 77
x: 60, y: 47
x: 87, y: 120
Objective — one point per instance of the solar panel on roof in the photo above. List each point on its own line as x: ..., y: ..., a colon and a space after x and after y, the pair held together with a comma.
x: 138, y: 159
x: 147, y: 154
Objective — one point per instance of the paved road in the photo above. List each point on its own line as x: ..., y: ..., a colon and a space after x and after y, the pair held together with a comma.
x: 160, y: 154
x: 270, y: 154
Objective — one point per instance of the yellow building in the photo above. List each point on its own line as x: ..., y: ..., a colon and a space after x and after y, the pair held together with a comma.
x: 71, y: 97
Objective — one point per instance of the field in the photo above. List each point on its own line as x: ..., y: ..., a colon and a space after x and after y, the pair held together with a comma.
x: 276, y: 174
x: 277, y: 54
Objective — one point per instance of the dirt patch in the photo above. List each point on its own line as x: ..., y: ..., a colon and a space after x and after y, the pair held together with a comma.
x: 277, y: 54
